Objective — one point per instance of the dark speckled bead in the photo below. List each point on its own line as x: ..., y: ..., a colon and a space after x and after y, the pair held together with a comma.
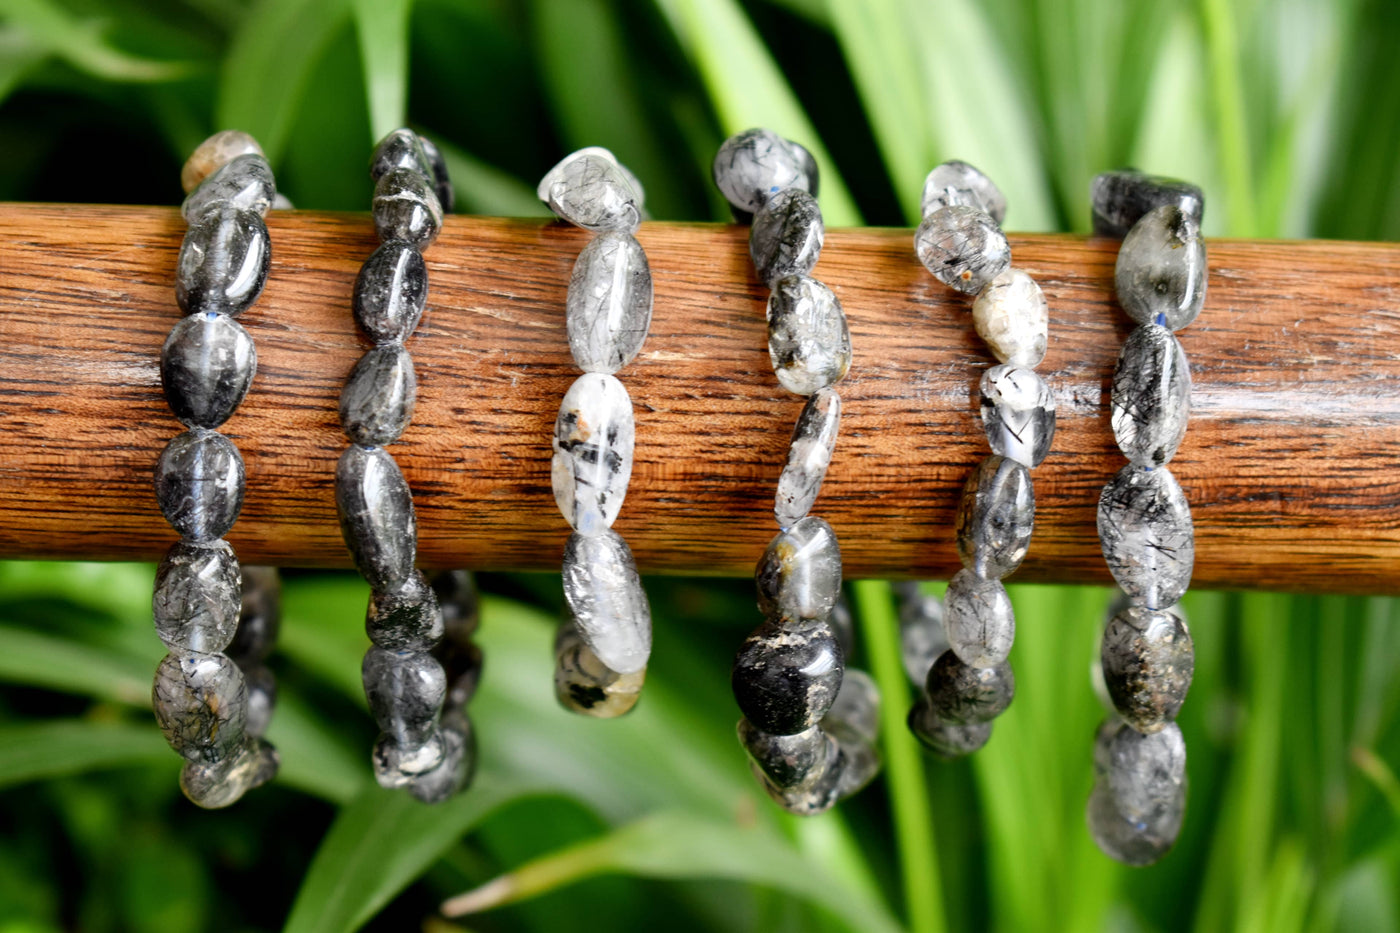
x: 786, y: 677
x: 376, y: 515
x: 996, y: 517
x: 963, y: 248
x: 1151, y: 396
x: 956, y: 182
x: 799, y: 574
x: 244, y: 182
x: 1147, y: 536
x: 377, y: 401
x: 405, y: 690
x: 1160, y: 275
x: 458, y: 763
x: 946, y: 740
x: 585, y: 685
x: 1121, y: 198
x: 809, y: 342
x: 391, y: 291
x: 447, y: 197
x: 397, y: 764
x: 787, y: 235
x: 401, y: 149
x: 1148, y: 661
x: 223, y: 262
x: 961, y: 695
x: 196, y: 601
x: 199, y: 484
x: 206, y: 367
x: 406, y: 207
x: 788, y: 760
x: 404, y: 616
x: 753, y: 165
x: 201, y: 705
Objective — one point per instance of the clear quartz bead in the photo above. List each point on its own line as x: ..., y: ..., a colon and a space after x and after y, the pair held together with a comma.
x: 753, y: 165
x: 1018, y: 414
x: 213, y: 154
x: 809, y: 341
x: 963, y: 248
x: 799, y: 574
x: 1121, y: 198
x: 406, y: 207
x: 608, y: 311
x: 787, y: 235
x: 406, y: 691
x: 245, y: 182
x: 788, y: 760
x: 391, y: 291
x: 590, y: 189
x: 377, y: 401
x: 979, y: 619
x: 586, y: 685
x: 594, y: 436
x: 1160, y: 275
x: 197, y: 597
x: 996, y: 517
x: 223, y: 262
x: 809, y: 455
x: 376, y: 515
x: 206, y: 367
x: 956, y: 182
x: 605, y: 595
x: 946, y: 740
x: 921, y: 635
x: 199, y: 484
x: 1010, y: 314
x: 1151, y: 399
x: 213, y: 785
x: 1147, y: 536
x: 1147, y: 661
x: 961, y: 695
x: 1139, y: 798
x: 201, y: 705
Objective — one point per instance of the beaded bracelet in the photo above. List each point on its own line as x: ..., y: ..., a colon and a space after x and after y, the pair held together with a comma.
x: 809, y: 731
x: 961, y: 243
x: 201, y: 697
x: 1139, y: 797
x: 405, y: 684
x: 602, y: 649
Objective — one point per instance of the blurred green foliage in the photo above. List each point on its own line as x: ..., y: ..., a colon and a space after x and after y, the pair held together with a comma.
x: 1287, y: 112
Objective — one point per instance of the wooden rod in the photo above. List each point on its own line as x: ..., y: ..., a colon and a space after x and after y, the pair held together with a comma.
x: 1291, y: 463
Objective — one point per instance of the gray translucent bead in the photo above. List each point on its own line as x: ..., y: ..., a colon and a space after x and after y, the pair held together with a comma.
x: 206, y: 367
x: 1141, y: 791
x: 817, y: 794
x: 963, y: 248
x: 608, y: 311
x: 462, y: 662
x: 859, y: 761
x: 262, y: 697
x: 223, y: 262
x: 1148, y: 661
x: 594, y: 436
x: 214, y: 153
x: 590, y: 190
x: 260, y: 616
x: 809, y: 455
x: 1121, y: 198
x: 788, y: 760
x: 405, y: 207
x: 1011, y: 316
x: 921, y: 635
x: 458, y: 763
x: 1133, y: 842
x: 978, y: 617
x: 786, y: 237
x: 390, y: 292
x: 606, y: 598
x: 244, y: 182
x: 404, y: 615
x: 201, y: 705
x: 447, y: 196
x: 961, y: 695
x: 1151, y: 396
x: 996, y: 517
x: 196, y: 601
x: 401, y: 149
x: 212, y: 785
x: 405, y: 690
x: 583, y: 684
x: 957, y: 183
x: 857, y: 708
x: 457, y: 597
x: 786, y: 676
x: 799, y: 574
x: 1147, y: 536
x: 809, y: 342
x: 843, y: 625
x: 944, y: 739
x: 752, y: 166
x: 199, y: 484
x: 1018, y: 413
x: 396, y: 764
x: 1160, y: 276
x: 376, y: 515
x: 377, y: 401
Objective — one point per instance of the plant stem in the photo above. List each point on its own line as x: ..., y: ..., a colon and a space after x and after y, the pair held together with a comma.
x: 1223, y: 49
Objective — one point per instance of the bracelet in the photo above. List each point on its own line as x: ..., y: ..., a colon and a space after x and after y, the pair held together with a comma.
x: 960, y: 241
x: 809, y: 726
x: 405, y: 683
x: 602, y: 649
x: 201, y: 697
x: 1144, y: 520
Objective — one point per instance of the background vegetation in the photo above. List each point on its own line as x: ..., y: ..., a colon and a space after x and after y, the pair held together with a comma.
x: 1288, y: 113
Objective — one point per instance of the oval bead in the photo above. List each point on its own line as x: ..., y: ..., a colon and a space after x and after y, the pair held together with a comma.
x: 376, y: 515
x: 197, y: 597
x: 260, y: 616
x: 962, y: 695
x: 594, y: 436
x: 809, y: 455
x: 245, y: 182
x: 405, y: 207
x: 809, y: 342
x: 1148, y: 661
x: 1147, y: 536
x: 1018, y: 414
x: 957, y: 183
x: 606, y: 598
x: 199, y: 484
x: 442, y: 183
x: 1133, y: 842
x: 608, y: 311
x: 856, y: 712
x: 753, y: 165
x: 787, y: 235
x: 1011, y: 317
x: 200, y: 704
x: 786, y: 677
x: 963, y: 248
x: 1120, y: 199
x: 979, y: 620
x: 401, y: 149
x: 206, y: 367
x: 214, y: 153
x: 996, y: 517
x: 585, y: 685
x: 212, y: 785
x: 377, y: 401
x: 1144, y: 775
x: 404, y: 616
x: 788, y: 760
x: 922, y: 638
x: 457, y: 767
x: 799, y: 574
x: 1160, y: 276
x: 1151, y: 400
x: 405, y: 690
x: 391, y: 292
x: 223, y: 262
x: 946, y: 740
x: 590, y: 190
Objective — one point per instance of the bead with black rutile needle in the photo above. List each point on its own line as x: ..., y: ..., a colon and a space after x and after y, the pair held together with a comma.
x: 1120, y: 199
x: 979, y: 620
x: 376, y: 515
x: 750, y: 167
x: 201, y: 705
x: 212, y: 785
x: 605, y: 595
x: 391, y: 291
x: 1148, y: 661
x: 1139, y: 797
x: 961, y: 695
x: 799, y: 575
x: 223, y: 262
x: 786, y: 677
x: 945, y: 739
x: 956, y: 182
x: 809, y: 342
x: 199, y: 484
x: 406, y: 207
x: 787, y: 235
x: 377, y: 401
x: 809, y: 455
x: 608, y: 310
x: 1147, y: 536
x: 1018, y: 413
x: 206, y: 366
x: 447, y: 196
x: 197, y: 597
x: 404, y: 615
x: 458, y: 763
x: 921, y: 635
x: 1151, y: 399
x: 401, y: 149
x: 261, y: 687
x: 260, y: 616
x: 244, y: 182
x: 594, y: 436
x: 460, y: 604
x: 586, y: 685
x: 405, y: 690
x: 590, y: 190
x: 1160, y: 276
x: 857, y: 707
x: 963, y: 248
x: 996, y: 517
x: 788, y: 760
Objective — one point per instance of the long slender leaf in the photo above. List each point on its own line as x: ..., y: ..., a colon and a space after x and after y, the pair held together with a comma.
x: 382, y: 28
x: 80, y: 42
x: 38, y: 660
x: 61, y: 747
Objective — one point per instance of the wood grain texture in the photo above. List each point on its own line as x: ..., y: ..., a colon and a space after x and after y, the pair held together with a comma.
x: 1290, y: 461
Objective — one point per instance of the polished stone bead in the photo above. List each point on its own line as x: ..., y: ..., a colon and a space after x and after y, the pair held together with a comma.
x: 376, y: 515
x: 261, y: 687
x: 817, y: 794
x: 1011, y: 316
x: 808, y: 340
x: 223, y: 262
x: 405, y: 207
x: 606, y: 598
x: 1121, y: 198
x: 213, y: 154
x: 961, y: 695
x: 396, y: 764
x: 963, y: 248
x: 245, y: 182
x: 212, y: 785
x: 594, y: 436
x: 390, y: 292
x: 1147, y: 660
x: 843, y: 625
x: 996, y: 517
x: 206, y: 367
x: 405, y: 690
x: 608, y: 311
x: 1151, y: 396
x: 1018, y: 413
x: 201, y: 705
x: 957, y: 183
x: 979, y: 620
x: 809, y: 454
x: 859, y: 761
x: 857, y: 707
x: 786, y: 237
x: 259, y: 617
x: 377, y: 401
x: 401, y: 149
x: 404, y: 615
x: 946, y: 740
x: 921, y: 635
x: 586, y: 685
x: 199, y: 484
x: 457, y: 597
x: 1140, y: 791
x: 458, y: 763
x: 1133, y: 842
x: 1161, y: 272
x: 280, y: 202
x: 196, y: 601
x: 799, y: 574
x: 1147, y: 536
x: 462, y: 661
x: 786, y: 676
x: 442, y: 182
x: 590, y: 189
x: 788, y: 760
x: 752, y: 166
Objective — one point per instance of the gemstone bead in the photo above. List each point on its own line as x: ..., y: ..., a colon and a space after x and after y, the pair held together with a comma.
x: 590, y: 190
x: 1147, y: 536
x: 213, y: 785
x: 206, y: 367
x: 1161, y: 272
x: 606, y: 598
x: 1148, y: 661
x: 843, y: 625
x: 376, y: 515
x: 594, y: 436
x: 405, y: 690
x: 401, y: 149
x: 390, y: 292
x: 196, y: 601
x: 442, y: 183
x: 1140, y: 791
x: 809, y: 455
x: 377, y: 401
x: 457, y: 597
x: 961, y: 695
x: 857, y: 707
x: 1011, y: 316
x: 1151, y: 396
x: 957, y: 183
x: 405, y: 207
x: 786, y: 677
x: 457, y: 767
x: 223, y: 262
x: 921, y: 635
x: 1018, y: 414
x: 788, y: 760
x: 244, y: 182
x: 261, y: 687
x: 979, y: 619
x: 462, y: 662
x: 260, y: 616
x: 786, y: 237
x: 200, y: 704
x: 753, y: 165
x: 1133, y: 842
x: 859, y: 761
x: 808, y: 340
x: 799, y: 574
x: 396, y: 764
x: 214, y: 153
x: 963, y: 248
x: 946, y: 739
x: 1121, y: 198
x: 608, y: 311
x: 996, y: 517
x: 404, y: 615
x: 199, y: 484
x: 586, y: 685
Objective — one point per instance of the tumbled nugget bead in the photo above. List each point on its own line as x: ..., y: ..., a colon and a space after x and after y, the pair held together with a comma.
x: 212, y: 785
x: 963, y: 248
x: 1011, y: 316
x: 396, y: 764
x: 594, y: 436
x: 199, y: 484
x: 608, y: 310
x: 921, y: 635
x: 1147, y: 536
x: 856, y: 711
x: 1133, y: 841
x: 214, y: 153
x: 1161, y: 272
x: 260, y: 616
x: 261, y: 688
x: 753, y: 165
x: 979, y: 620
x: 809, y: 341
x: 244, y: 182
x: 457, y: 597
x: 223, y: 262
x: 786, y: 676
x: 1120, y: 199
x: 376, y: 515
x: 788, y: 760
x: 390, y: 292
x: 405, y: 207
x: 206, y: 366
x: 809, y: 455
x: 405, y: 690
x: 1145, y: 775
x: 787, y: 235
x: 401, y: 149
x: 457, y: 766
x: 590, y: 190
x: 947, y: 740
x: 586, y: 685
x: 961, y: 695
x: 201, y: 705
x: 1148, y: 661
x: 606, y: 598
x: 1151, y: 399
x: 799, y: 575
x: 377, y: 401
x: 404, y: 615
x: 1018, y: 413
x: 996, y: 517
x: 957, y: 183
x: 817, y: 794
x: 197, y: 597
x: 442, y: 183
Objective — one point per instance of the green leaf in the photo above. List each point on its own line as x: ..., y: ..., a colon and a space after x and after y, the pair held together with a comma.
x: 80, y: 42
x: 61, y: 747
x: 18, y: 56
x: 485, y: 189
x: 314, y: 758
x: 38, y: 660
x: 382, y: 27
